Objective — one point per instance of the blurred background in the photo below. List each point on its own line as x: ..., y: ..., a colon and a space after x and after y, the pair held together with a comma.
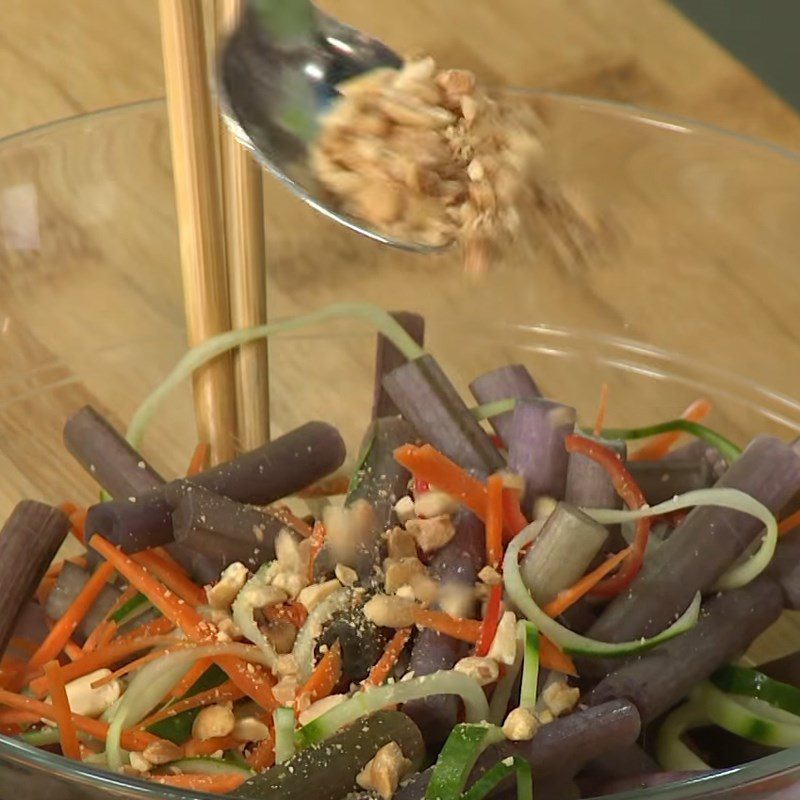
x: 730, y: 62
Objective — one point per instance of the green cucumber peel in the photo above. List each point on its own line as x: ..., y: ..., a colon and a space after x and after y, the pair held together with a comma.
x: 569, y: 641
x: 752, y: 683
x: 457, y: 758
x: 501, y: 770
x: 529, y: 635
x: 747, y: 717
x: 672, y: 753
x: 739, y: 574
x: 136, y: 603
x: 366, y: 702
x: 205, y: 765
x: 217, y: 345
x: 283, y: 719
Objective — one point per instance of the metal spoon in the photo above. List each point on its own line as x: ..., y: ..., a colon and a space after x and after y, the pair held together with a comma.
x: 277, y: 76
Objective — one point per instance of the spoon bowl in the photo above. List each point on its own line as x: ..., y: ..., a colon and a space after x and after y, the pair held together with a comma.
x: 276, y: 81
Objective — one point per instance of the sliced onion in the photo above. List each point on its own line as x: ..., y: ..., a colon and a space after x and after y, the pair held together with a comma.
x: 303, y: 651
x: 244, y: 619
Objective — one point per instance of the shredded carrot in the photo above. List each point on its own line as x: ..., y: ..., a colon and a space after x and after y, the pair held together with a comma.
x: 491, y: 619
x: 61, y: 711
x: 171, y: 575
x: 12, y: 716
x: 789, y: 523
x: 494, y: 521
x: 263, y: 755
x: 294, y: 612
x: 72, y: 650
x: 105, y: 631
x: 660, y: 445
x: 465, y: 630
x: 284, y: 514
x: 67, y: 508
x: 190, y: 678
x: 154, y: 627
x: 137, y: 663
x: 317, y: 543
x: 602, y: 407
x: 430, y: 465
x: 216, y: 784
x: 199, y: 459
x: 131, y: 740
x: 336, y: 484
x: 252, y: 680
x: 324, y: 677
x: 632, y: 495
x: 385, y: 664
x: 58, y: 637
x: 20, y: 643
x: 568, y: 597
x: 219, y: 694
x: 205, y: 747
x: 78, y: 521
x: 551, y: 657
x: 100, y: 658
x: 46, y: 585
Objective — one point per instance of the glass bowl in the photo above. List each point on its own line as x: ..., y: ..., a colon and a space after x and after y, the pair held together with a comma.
x: 693, y: 292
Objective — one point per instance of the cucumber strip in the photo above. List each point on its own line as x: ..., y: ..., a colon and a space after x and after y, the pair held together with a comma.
x: 457, y: 758
x: 498, y: 705
x: 283, y: 719
x: 671, y: 751
x: 137, y: 602
x: 530, y: 670
x: 738, y: 575
x: 303, y: 650
x: 223, y: 342
x: 204, y: 765
x: 748, y: 717
x: 752, y: 683
x: 476, y: 709
x: 43, y: 737
x: 493, y: 409
x: 569, y: 641
x: 502, y: 769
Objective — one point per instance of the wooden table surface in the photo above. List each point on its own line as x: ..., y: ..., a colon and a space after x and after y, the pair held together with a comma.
x: 91, y: 311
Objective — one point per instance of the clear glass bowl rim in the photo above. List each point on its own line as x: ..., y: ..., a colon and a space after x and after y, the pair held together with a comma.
x: 16, y: 750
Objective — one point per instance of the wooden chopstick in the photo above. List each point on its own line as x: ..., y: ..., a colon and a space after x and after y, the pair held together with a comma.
x: 243, y: 213
x: 197, y: 199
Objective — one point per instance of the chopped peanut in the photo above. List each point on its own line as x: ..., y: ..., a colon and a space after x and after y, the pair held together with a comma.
x: 230, y: 583
x: 404, y: 509
x: 484, y: 670
x: 560, y: 698
x: 314, y: 594
x: 400, y: 544
x: 407, y: 593
x: 213, y: 721
x: 490, y: 576
x: 389, y: 612
x: 250, y: 729
x: 504, y: 644
x: 162, y: 751
x: 89, y: 702
x: 285, y: 690
x: 139, y: 763
x: 431, y: 534
x: 434, y: 504
x: 347, y: 576
x: 348, y: 530
x: 384, y: 771
x: 399, y: 572
x: 457, y: 599
x: 521, y: 725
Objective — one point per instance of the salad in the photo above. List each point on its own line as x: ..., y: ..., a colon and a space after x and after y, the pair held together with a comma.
x: 496, y: 601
